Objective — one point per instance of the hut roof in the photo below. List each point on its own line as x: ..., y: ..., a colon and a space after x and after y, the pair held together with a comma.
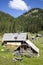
x: 32, y: 46
x: 14, y: 37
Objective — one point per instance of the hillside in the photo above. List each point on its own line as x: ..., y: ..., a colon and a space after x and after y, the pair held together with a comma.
x: 31, y: 21
x: 6, y: 22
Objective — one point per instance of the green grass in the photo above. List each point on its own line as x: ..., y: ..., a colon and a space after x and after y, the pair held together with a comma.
x: 6, y: 57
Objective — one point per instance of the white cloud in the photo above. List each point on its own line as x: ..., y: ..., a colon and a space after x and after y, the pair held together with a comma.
x: 18, y: 5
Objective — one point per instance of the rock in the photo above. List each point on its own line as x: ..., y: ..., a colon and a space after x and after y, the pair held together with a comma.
x: 17, y: 53
x: 33, y: 37
x: 2, y: 50
x: 17, y: 59
x: 14, y: 59
x: 38, y: 35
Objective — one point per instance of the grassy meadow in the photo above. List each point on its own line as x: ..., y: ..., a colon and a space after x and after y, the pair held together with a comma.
x: 6, y: 57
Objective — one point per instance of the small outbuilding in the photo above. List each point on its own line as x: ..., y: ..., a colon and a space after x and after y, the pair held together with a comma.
x: 20, y: 43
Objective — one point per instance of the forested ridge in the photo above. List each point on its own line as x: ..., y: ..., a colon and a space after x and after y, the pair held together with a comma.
x: 31, y: 21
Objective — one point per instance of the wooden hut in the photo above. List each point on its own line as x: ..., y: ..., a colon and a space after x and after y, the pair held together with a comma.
x: 20, y: 43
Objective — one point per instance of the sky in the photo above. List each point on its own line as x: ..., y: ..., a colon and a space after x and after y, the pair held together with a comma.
x: 17, y: 7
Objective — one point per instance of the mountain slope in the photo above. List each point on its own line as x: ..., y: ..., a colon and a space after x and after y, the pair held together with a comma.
x: 6, y: 22
x: 31, y: 21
